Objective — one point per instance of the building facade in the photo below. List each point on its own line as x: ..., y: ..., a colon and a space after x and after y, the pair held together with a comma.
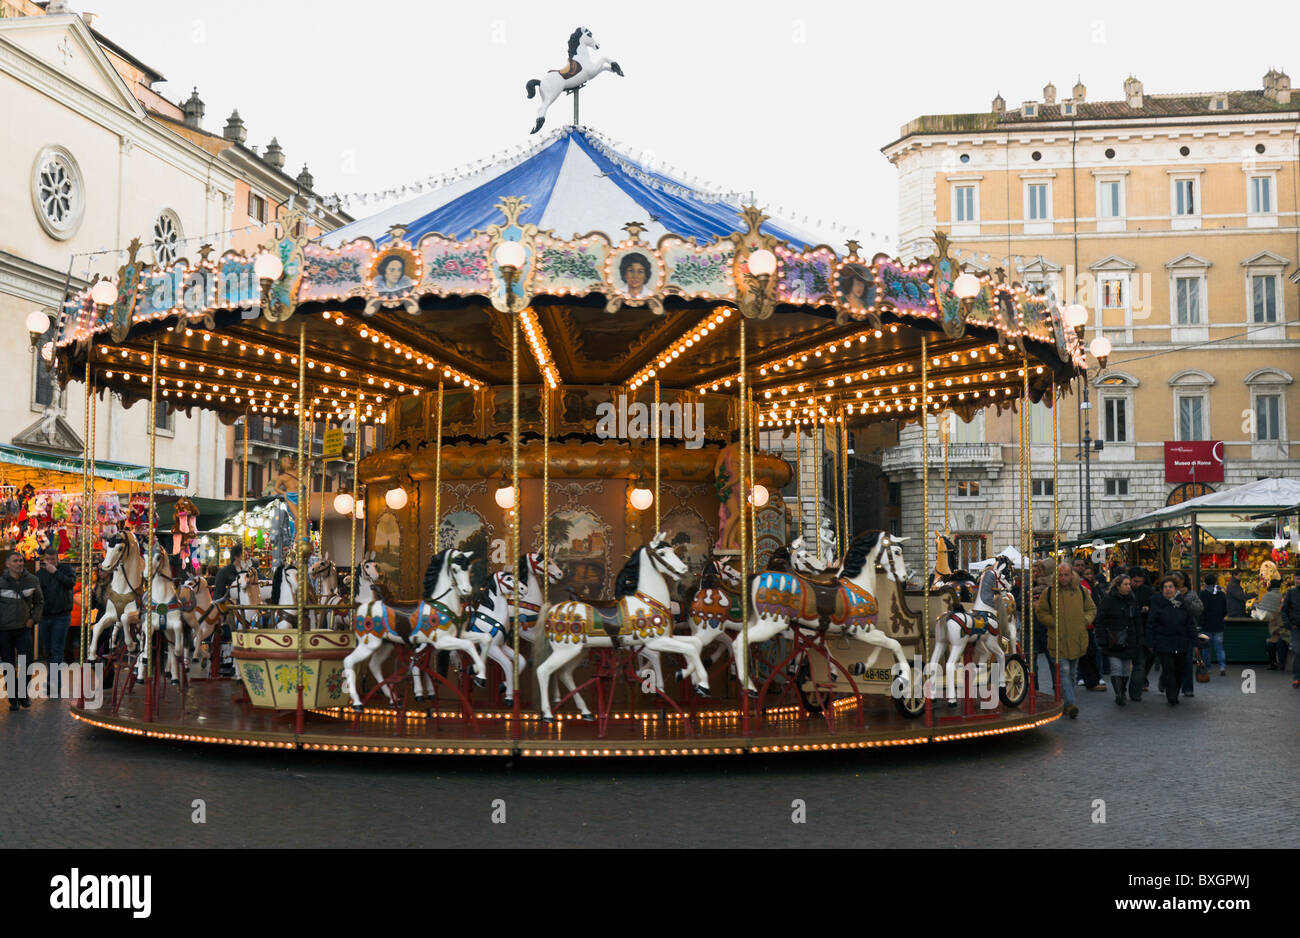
x: 1174, y: 220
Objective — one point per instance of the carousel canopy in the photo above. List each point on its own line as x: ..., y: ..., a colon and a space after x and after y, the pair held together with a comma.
x: 573, y: 183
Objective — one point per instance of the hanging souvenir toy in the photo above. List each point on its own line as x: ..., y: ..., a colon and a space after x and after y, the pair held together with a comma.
x: 184, y: 522
x: 59, y: 510
x: 75, y: 512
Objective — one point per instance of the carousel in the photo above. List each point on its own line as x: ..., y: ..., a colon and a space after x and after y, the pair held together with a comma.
x: 568, y: 539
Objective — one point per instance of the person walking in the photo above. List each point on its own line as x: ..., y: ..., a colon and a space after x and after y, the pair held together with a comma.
x: 1192, y: 603
x: 1145, y: 657
x: 21, y: 604
x: 1119, y: 630
x: 1215, y: 602
x: 1067, y: 628
x: 1172, y: 632
x: 1042, y: 581
x: 1090, y: 664
x: 1289, y: 613
x: 57, y: 581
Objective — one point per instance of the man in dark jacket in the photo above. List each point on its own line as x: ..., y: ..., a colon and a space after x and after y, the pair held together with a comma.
x: 226, y: 578
x: 1172, y: 631
x: 57, y: 580
x: 1215, y: 602
x: 20, y: 609
x: 1290, y: 613
x: 1090, y: 665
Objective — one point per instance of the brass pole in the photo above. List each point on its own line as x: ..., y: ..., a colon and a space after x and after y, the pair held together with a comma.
x: 87, y: 511
x: 546, y: 494
x: 835, y: 482
x: 658, y: 428
x: 844, y: 466
x: 946, y: 420
x: 925, y: 516
x: 243, y: 495
x: 148, y: 617
x: 514, y: 518
x: 819, y: 450
x: 302, y: 529
x: 356, y: 494
x: 324, y: 463
x: 744, y: 566
x: 753, y: 481
x: 437, y: 478
x: 1027, y: 574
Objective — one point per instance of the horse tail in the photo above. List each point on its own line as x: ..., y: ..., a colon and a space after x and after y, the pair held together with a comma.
x: 532, y: 86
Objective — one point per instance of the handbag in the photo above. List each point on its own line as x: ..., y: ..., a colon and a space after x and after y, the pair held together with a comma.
x: 1117, y: 639
x: 1202, y: 672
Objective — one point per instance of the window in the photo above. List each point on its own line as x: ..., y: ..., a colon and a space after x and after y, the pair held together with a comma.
x: 1108, y: 201
x: 1268, y: 417
x: 895, y: 493
x: 1040, y: 424
x: 1191, y: 417
x: 167, y: 238
x: 895, y: 527
x: 1037, y: 201
x: 1114, y: 417
x: 970, y: 549
x: 165, y: 417
x: 964, y: 202
x: 968, y: 489
x: 1043, y: 488
x: 58, y: 194
x: 256, y: 207
x: 1112, y: 292
x: 1261, y: 194
x: 1187, y: 300
x: 1117, y: 487
x: 1184, y: 196
x: 962, y: 432
x: 230, y: 478
x: 1263, y: 298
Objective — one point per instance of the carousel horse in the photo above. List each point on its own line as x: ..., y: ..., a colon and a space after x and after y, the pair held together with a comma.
x: 171, y: 628
x: 987, y: 620
x: 200, y: 614
x: 844, y: 604
x: 641, y: 617
x: 284, y: 592
x: 584, y: 65
x: 441, y: 615
x: 329, y: 590
x: 380, y: 626
x: 714, y: 607
x: 493, y: 616
x: 125, y: 561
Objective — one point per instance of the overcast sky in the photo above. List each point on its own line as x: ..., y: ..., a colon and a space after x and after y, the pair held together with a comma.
x: 790, y: 100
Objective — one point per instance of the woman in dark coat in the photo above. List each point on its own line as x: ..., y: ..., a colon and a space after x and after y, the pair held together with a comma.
x: 1172, y: 631
x: 1118, y: 631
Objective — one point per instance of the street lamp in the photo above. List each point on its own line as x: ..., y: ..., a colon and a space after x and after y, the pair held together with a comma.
x: 343, y: 503
x: 510, y: 257
x: 37, y: 325
x: 267, y: 268
x: 762, y: 265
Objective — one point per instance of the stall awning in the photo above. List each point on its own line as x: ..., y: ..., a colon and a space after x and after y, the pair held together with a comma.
x: 118, y: 471
x: 213, y: 512
x: 1230, y: 509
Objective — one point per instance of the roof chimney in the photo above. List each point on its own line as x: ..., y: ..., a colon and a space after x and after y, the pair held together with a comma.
x: 194, y: 109
x: 89, y: 19
x: 999, y: 104
x: 274, y: 155
x: 1133, y: 92
x: 1080, y: 91
x: 58, y: 6
x: 305, y: 180
x: 1049, y: 94
x: 234, y: 130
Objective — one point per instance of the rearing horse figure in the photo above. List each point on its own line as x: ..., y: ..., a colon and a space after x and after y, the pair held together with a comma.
x: 845, y: 604
x: 584, y: 65
x: 496, y: 613
x: 125, y: 561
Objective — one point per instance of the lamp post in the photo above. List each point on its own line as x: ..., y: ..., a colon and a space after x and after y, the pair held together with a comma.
x: 1076, y: 317
x: 38, y: 323
x: 267, y: 268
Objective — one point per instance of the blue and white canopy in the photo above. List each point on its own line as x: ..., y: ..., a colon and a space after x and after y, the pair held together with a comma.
x: 575, y: 183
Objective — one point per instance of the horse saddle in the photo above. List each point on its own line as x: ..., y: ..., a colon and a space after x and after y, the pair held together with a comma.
x: 607, y: 616
x: 569, y: 70
x: 830, y: 603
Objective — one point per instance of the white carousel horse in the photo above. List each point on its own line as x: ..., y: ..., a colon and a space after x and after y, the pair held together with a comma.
x: 641, y: 618
x: 122, y: 606
x: 493, y: 616
x: 584, y: 65
x: 440, y: 616
x: 171, y: 628
x: 982, y: 624
x: 379, y: 627
x: 329, y: 591
x: 284, y: 592
x: 245, y: 591
x: 845, y: 605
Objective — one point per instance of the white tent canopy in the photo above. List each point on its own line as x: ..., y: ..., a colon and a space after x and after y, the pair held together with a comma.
x: 1235, y: 506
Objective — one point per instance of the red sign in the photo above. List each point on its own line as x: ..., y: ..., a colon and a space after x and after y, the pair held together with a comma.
x: 1194, y: 461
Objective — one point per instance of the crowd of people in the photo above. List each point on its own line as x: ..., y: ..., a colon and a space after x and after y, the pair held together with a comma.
x: 1124, y: 628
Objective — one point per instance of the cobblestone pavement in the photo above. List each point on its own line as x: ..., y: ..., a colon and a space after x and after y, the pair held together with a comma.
x: 1209, y: 773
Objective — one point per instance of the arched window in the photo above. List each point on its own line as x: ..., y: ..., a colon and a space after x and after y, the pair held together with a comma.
x: 58, y: 192
x: 167, y: 237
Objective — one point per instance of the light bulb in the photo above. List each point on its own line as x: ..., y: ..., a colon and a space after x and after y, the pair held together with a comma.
x: 641, y: 498
x: 38, y: 322
x: 509, y: 254
x: 104, y: 293
x: 762, y: 263
x: 395, y: 498
x: 1100, y: 347
x: 966, y: 286
x: 268, y: 267
x: 505, y: 497
x: 1076, y: 315
x: 760, y: 496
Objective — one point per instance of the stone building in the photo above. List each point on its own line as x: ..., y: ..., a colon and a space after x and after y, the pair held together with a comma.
x: 1173, y: 219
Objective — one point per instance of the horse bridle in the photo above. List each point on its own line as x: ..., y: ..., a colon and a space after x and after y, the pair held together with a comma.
x: 887, y: 561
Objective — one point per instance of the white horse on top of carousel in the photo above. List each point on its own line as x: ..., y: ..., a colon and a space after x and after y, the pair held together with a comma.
x: 583, y: 65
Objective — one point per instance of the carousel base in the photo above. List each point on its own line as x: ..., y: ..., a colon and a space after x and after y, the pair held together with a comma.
x: 210, y: 713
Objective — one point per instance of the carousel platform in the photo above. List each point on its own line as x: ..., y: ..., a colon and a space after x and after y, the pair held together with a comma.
x: 210, y: 713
